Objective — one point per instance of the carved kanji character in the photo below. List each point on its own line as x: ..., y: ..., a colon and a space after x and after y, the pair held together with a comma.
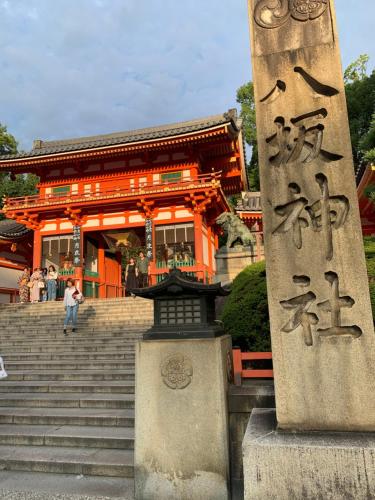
x: 328, y: 213
x: 301, y: 305
x: 307, y: 146
x: 334, y: 306
x: 292, y: 216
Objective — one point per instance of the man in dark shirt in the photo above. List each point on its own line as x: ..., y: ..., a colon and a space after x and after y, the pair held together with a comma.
x: 143, y: 267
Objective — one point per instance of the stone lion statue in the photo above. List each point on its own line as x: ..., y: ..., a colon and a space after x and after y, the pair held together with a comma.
x: 235, y: 229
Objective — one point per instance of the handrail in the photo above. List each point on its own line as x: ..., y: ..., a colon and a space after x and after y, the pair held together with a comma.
x: 240, y: 373
x: 18, y: 202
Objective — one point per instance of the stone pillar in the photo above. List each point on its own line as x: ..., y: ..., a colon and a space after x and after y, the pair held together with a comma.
x: 321, y: 323
x: 181, y: 419
x: 322, y: 331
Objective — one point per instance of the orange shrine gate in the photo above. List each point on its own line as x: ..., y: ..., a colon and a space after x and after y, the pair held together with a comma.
x: 159, y: 188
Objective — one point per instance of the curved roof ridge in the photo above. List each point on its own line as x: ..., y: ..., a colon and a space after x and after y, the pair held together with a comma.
x: 41, y: 147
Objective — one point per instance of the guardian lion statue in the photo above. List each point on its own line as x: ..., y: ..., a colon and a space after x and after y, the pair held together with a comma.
x: 235, y: 229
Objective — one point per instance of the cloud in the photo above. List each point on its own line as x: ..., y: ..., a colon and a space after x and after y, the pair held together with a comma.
x: 70, y: 68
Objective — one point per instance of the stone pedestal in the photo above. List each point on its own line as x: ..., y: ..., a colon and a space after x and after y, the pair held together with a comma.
x: 310, y: 465
x: 231, y: 261
x: 181, y: 419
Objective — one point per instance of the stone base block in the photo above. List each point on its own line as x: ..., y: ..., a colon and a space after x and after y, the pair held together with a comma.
x: 181, y: 419
x: 315, y: 465
x: 230, y: 262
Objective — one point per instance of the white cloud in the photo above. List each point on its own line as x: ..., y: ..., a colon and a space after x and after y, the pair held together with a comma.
x: 71, y: 68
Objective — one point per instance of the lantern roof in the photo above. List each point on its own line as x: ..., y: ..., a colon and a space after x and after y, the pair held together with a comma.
x: 11, y: 230
x: 179, y: 283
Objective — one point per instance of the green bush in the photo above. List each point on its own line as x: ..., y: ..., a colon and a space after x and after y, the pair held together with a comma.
x: 245, y: 314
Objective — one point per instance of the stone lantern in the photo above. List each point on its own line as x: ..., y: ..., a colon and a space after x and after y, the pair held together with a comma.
x: 181, y: 411
x: 183, y: 308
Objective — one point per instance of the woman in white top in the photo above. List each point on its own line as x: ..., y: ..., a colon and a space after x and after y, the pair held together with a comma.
x: 51, y: 283
x: 71, y: 302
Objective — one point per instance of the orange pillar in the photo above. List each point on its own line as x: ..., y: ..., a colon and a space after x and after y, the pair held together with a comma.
x: 101, y: 269
x: 198, y: 237
x: 210, y: 253
x: 37, y: 254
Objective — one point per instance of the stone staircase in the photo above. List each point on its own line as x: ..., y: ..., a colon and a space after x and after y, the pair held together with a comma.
x: 67, y: 406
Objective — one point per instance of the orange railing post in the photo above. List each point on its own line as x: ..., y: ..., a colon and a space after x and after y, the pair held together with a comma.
x: 237, y: 366
x: 240, y: 373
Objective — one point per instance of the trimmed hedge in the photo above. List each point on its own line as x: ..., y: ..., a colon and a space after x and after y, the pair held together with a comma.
x: 245, y: 314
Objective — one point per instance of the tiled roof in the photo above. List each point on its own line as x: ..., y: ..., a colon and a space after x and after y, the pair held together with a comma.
x: 11, y: 230
x: 42, y: 148
x: 250, y: 201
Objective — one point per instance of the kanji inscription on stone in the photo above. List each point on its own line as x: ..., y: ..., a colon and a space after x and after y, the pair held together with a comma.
x: 320, y: 313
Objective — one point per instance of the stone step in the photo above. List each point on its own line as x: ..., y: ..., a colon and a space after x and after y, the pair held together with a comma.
x: 107, y: 387
x: 82, y: 335
x: 47, y: 348
x: 67, y: 416
x: 67, y: 400
x: 67, y: 436
x: 73, y: 375
x: 41, y: 486
x: 56, y: 325
x: 71, y: 340
x: 67, y: 356
x: 71, y: 365
x: 67, y: 460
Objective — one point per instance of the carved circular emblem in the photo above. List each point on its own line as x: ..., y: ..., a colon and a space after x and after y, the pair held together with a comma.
x: 177, y: 371
x: 303, y: 10
x: 275, y: 13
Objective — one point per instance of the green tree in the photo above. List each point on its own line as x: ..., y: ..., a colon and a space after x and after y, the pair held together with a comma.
x: 360, y: 98
x: 357, y: 70
x: 245, y: 97
x: 8, y: 144
x: 19, y: 185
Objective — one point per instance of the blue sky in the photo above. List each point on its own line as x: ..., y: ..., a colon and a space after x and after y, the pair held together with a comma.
x: 79, y: 67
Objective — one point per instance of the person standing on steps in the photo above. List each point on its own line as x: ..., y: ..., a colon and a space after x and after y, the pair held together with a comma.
x: 23, y: 288
x: 51, y: 283
x: 143, y: 270
x: 131, y: 276
x: 72, y: 299
x: 36, y: 285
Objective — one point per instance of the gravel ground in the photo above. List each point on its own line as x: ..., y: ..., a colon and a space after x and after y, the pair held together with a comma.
x: 14, y: 495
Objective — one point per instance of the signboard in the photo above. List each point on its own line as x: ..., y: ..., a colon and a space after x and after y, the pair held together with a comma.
x: 149, y: 249
x: 77, y: 246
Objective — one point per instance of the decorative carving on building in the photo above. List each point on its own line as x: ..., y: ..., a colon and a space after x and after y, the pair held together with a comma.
x: 235, y: 229
x: 275, y: 13
x: 177, y: 371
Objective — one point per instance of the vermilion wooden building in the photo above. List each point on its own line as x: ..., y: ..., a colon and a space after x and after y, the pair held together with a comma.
x: 15, y: 255
x: 366, y: 180
x: 159, y: 188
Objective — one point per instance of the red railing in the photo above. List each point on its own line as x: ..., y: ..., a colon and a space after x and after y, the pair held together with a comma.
x: 200, y: 181
x: 240, y: 373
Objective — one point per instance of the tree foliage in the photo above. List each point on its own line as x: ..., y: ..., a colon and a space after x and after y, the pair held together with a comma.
x: 357, y: 70
x: 245, y: 97
x: 8, y: 144
x: 19, y: 185
x: 360, y: 98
